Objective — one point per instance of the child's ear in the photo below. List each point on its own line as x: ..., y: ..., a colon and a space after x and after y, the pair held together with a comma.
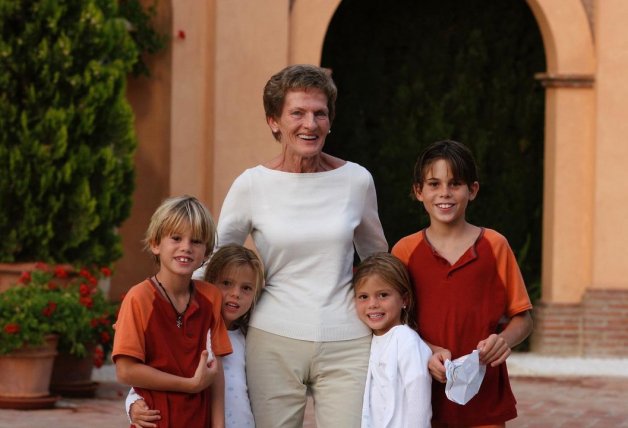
x: 416, y: 189
x: 405, y: 299
x: 154, y: 248
x: 473, y: 190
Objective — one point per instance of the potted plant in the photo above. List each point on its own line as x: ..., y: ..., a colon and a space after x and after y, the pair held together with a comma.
x: 68, y: 303
x: 29, y: 327
x: 87, y: 336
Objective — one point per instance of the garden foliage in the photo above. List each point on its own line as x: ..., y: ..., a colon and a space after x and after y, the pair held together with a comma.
x: 58, y: 300
x: 66, y: 130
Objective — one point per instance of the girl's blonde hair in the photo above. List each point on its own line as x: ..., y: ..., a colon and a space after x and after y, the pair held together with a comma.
x: 231, y: 256
x: 179, y: 214
x: 390, y: 269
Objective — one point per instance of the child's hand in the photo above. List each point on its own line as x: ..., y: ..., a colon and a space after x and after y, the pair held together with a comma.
x: 205, y: 373
x: 493, y: 350
x: 142, y: 416
x: 436, y: 364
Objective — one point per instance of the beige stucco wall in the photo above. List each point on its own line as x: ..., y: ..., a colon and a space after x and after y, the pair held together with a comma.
x: 248, y: 51
x: 152, y: 104
x: 610, y: 221
x: 309, y: 20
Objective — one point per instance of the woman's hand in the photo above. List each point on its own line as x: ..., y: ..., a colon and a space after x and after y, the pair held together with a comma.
x: 142, y: 416
x: 436, y: 364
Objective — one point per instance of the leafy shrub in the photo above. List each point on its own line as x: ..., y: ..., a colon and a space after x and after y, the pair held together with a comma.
x: 66, y: 130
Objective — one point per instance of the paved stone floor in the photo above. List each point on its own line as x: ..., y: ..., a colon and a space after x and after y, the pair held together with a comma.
x: 574, y: 402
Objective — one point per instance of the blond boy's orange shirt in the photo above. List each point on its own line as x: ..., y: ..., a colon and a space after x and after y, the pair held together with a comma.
x: 146, y: 330
x: 457, y: 306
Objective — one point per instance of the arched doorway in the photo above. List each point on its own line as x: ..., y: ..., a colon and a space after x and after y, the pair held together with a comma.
x: 567, y: 255
x: 412, y: 73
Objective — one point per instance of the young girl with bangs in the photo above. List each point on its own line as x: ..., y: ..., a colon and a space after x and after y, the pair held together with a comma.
x: 398, y: 384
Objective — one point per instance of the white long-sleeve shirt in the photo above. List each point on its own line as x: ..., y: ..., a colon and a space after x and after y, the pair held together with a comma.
x: 398, y: 392
x: 305, y: 227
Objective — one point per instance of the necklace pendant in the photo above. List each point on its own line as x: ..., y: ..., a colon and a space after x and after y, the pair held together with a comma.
x: 179, y: 321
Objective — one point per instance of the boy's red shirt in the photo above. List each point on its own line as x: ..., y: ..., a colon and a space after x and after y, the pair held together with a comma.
x: 457, y: 306
x: 146, y: 330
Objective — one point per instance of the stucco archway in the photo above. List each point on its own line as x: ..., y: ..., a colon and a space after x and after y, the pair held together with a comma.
x: 569, y: 131
x: 569, y: 137
x: 568, y: 145
x: 309, y: 20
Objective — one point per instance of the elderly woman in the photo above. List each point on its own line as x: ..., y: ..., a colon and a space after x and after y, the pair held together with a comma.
x: 306, y: 212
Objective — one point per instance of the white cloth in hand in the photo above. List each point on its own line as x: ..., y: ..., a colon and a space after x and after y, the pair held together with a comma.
x: 464, y: 377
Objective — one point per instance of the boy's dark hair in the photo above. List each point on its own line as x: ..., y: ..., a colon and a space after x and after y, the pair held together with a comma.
x: 457, y: 155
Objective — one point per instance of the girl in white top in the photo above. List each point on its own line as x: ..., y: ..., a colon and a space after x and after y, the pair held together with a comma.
x: 239, y: 274
x: 398, y: 385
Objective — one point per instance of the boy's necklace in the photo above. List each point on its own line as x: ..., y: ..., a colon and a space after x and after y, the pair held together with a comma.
x: 179, y: 314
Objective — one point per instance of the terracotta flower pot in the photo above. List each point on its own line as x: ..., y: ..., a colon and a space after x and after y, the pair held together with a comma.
x: 10, y: 273
x: 25, y: 375
x: 72, y: 375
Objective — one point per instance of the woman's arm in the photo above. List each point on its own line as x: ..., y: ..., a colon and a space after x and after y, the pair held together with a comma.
x: 234, y: 223
x: 369, y: 236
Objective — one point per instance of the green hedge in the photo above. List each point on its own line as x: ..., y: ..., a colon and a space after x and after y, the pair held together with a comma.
x: 66, y: 130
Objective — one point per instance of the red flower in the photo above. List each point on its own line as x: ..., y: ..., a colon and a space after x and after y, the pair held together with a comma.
x: 84, y: 290
x: 86, y: 301
x: 25, y: 278
x: 52, y: 286
x: 85, y: 273
x: 181, y: 34
x: 105, y: 337
x: 99, y: 357
x: 12, y: 328
x: 60, y: 272
x: 106, y: 272
x: 49, y: 310
x: 94, y: 322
